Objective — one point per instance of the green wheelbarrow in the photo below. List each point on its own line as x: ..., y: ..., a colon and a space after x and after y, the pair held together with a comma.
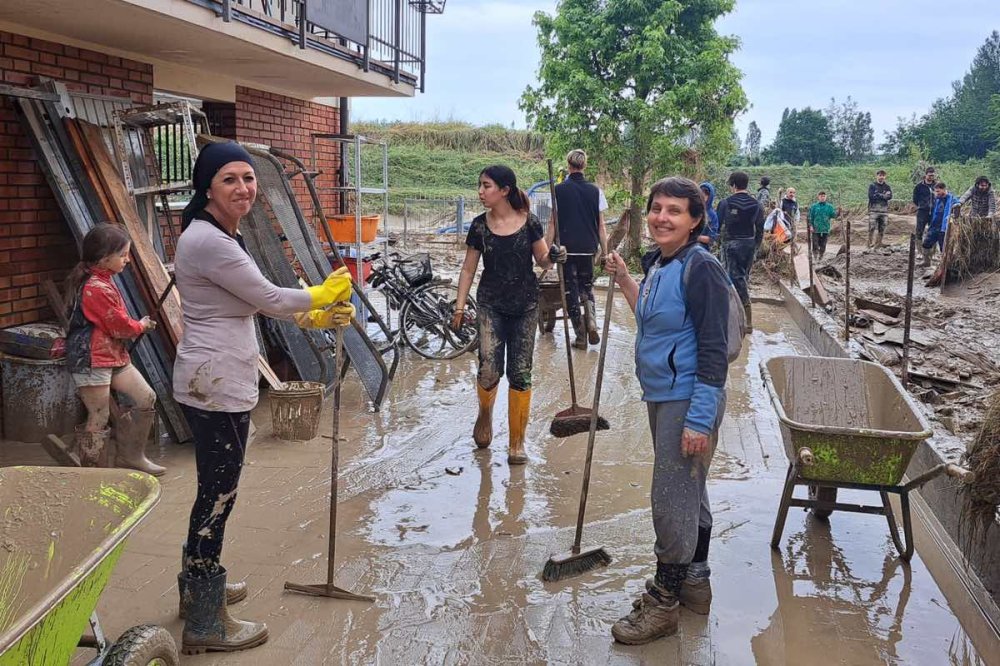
x: 847, y: 424
x: 62, y: 531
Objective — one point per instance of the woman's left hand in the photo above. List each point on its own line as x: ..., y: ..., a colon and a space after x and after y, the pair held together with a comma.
x: 693, y: 443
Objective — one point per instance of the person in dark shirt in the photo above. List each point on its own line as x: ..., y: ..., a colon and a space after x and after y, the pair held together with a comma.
x: 879, y: 194
x: 943, y: 204
x: 508, y: 237
x: 582, y: 232
x: 742, y: 221
x: 923, y: 199
x: 790, y: 209
x: 764, y: 193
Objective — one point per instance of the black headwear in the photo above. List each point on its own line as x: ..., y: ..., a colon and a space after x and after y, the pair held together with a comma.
x: 212, y: 157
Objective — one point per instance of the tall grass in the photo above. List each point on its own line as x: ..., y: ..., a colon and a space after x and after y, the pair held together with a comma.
x: 456, y: 136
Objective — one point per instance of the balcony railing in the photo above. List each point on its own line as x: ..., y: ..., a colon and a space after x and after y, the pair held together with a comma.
x: 390, y: 40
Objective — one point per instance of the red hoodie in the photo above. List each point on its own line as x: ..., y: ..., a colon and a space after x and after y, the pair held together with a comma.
x: 104, y: 307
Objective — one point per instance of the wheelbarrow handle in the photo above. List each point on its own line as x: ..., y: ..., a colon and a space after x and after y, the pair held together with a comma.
x: 954, y: 471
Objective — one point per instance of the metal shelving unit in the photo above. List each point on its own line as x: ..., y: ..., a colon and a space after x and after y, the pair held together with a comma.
x: 352, y: 188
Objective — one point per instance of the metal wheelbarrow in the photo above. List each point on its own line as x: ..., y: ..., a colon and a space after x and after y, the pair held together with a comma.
x: 62, y: 531
x: 847, y: 424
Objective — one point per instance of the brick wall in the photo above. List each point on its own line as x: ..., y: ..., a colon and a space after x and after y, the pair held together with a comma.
x: 287, y: 123
x: 35, y: 240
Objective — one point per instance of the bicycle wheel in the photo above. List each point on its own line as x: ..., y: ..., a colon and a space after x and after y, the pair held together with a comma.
x: 426, y: 318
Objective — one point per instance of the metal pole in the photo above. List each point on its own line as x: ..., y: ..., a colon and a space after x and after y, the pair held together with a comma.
x: 812, y: 283
x: 397, y: 38
x: 303, y: 18
x: 905, y: 373
x: 406, y: 218
x: 460, y: 219
x: 793, y: 249
x: 847, y: 281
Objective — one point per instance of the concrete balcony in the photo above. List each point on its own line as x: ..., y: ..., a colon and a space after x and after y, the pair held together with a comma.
x: 344, y: 48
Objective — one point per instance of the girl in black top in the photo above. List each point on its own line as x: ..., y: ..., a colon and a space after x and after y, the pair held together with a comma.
x: 508, y: 237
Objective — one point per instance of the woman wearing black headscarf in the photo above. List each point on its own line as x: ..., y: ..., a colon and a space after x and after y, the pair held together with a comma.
x: 215, y: 376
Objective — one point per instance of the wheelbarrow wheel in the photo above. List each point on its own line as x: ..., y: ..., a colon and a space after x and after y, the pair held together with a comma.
x: 822, y: 494
x: 144, y: 645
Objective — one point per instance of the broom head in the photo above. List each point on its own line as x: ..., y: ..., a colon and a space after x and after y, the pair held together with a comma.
x: 574, y: 421
x: 567, y: 565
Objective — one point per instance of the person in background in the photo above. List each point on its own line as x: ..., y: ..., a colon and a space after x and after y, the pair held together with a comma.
x: 790, y: 207
x: 923, y: 199
x: 741, y: 219
x: 763, y: 193
x: 879, y: 195
x: 820, y: 214
x: 509, y: 238
x: 98, y: 359
x: 711, y: 232
x: 581, y: 206
x: 981, y: 199
x: 940, y: 213
x: 215, y: 377
x: 681, y: 304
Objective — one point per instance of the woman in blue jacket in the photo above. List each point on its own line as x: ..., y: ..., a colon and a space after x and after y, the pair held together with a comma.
x: 681, y: 308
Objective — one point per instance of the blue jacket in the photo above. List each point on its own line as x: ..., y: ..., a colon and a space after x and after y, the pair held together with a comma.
x: 943, y: 206
x: 712, y: 228
x: 681, y: 343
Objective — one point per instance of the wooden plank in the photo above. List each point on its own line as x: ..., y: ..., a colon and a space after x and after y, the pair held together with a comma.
x: 880, y: 317
x: 123, y: 206
x: 890, y: 310
x: 801, y: 263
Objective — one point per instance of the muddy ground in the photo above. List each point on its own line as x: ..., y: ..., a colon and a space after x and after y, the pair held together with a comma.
x: 954, y: 329
x: 451, y: 541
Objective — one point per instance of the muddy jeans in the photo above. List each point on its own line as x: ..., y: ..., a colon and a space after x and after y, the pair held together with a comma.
x: 923, y: 221
x: 220, y: 440
x: 503, y: 335
x: 679, y: 495
x: 739, y: 254
x: 819, y: 243
x: 579, y: 276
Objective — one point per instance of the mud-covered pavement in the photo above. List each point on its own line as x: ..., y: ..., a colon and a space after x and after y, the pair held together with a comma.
x: 454, y: 560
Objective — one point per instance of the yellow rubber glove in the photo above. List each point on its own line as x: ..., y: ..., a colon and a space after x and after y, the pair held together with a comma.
x: 336, y: 288
x: 338, y: 315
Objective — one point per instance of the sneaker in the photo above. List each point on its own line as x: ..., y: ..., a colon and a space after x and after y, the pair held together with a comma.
x: 652, y: 619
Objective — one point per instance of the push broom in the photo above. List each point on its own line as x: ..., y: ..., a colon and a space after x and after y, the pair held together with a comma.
x: 576, y: 419
x: 328, y: 589
x: 577, y: 560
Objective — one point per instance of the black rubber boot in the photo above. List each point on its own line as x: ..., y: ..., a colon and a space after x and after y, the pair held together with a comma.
x: 590, y: 319
x: 580, y: 330
x: 235, y: 592
x: 209, y: 627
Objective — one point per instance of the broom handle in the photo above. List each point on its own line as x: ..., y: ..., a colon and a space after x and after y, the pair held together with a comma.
x: 338, y: 334
x: 562, y: 287
x: 593, y: 416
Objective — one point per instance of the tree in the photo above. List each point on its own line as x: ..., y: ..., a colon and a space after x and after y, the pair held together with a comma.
x: 851, y: 129
x: 803, y: 136
x: 753, y: 143
x: 635, y: 82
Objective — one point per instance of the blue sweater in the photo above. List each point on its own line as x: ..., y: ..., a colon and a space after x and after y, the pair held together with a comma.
x: 712, y: 223
x: 680, y: 348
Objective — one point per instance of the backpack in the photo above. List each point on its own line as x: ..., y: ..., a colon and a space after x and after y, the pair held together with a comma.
x: 736, y: 327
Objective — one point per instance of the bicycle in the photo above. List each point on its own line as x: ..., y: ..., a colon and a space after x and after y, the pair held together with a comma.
x: 426, y: 306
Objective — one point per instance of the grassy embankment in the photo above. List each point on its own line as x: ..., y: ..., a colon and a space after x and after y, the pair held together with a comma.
x: 443, y: 160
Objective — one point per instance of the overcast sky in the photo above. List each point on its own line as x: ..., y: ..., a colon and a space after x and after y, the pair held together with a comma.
x: 895, y: 57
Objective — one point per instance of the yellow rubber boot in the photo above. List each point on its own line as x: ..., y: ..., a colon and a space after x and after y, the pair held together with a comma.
x: 519, y: 405
x: 482, y: 433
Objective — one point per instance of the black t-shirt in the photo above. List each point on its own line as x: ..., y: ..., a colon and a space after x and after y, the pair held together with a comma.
x: 508, y: 283
x: 579, y: 213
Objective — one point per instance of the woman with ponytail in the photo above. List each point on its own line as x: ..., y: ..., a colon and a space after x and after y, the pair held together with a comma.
x: 508, y: 237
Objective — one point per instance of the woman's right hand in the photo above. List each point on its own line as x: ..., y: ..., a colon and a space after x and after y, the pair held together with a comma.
x: 615, y: 266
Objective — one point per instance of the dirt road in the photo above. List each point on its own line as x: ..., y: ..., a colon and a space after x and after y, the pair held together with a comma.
x: 454, y: 561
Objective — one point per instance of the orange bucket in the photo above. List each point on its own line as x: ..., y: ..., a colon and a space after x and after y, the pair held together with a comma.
x: 344, y: 229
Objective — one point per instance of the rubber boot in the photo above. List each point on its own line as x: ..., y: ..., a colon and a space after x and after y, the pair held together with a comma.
x: 235, y: 592
x: 209, y: 627
x: 92, y: 447
x: 482, y: 433
x: 581, y: 333
x: 878, y: 239
x: 518, y: 407
x: 132, y: 435
x: 928, y: 256
x: 871, y: 239
x: 590, y: 319
x: 748, y: 312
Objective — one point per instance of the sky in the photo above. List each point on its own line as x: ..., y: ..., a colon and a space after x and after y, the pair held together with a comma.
x: 894, y: 57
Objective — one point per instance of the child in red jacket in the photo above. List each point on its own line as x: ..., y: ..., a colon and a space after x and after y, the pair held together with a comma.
x: 97, y: 357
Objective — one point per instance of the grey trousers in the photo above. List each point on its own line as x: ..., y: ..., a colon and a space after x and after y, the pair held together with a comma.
x: 679, y: 495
